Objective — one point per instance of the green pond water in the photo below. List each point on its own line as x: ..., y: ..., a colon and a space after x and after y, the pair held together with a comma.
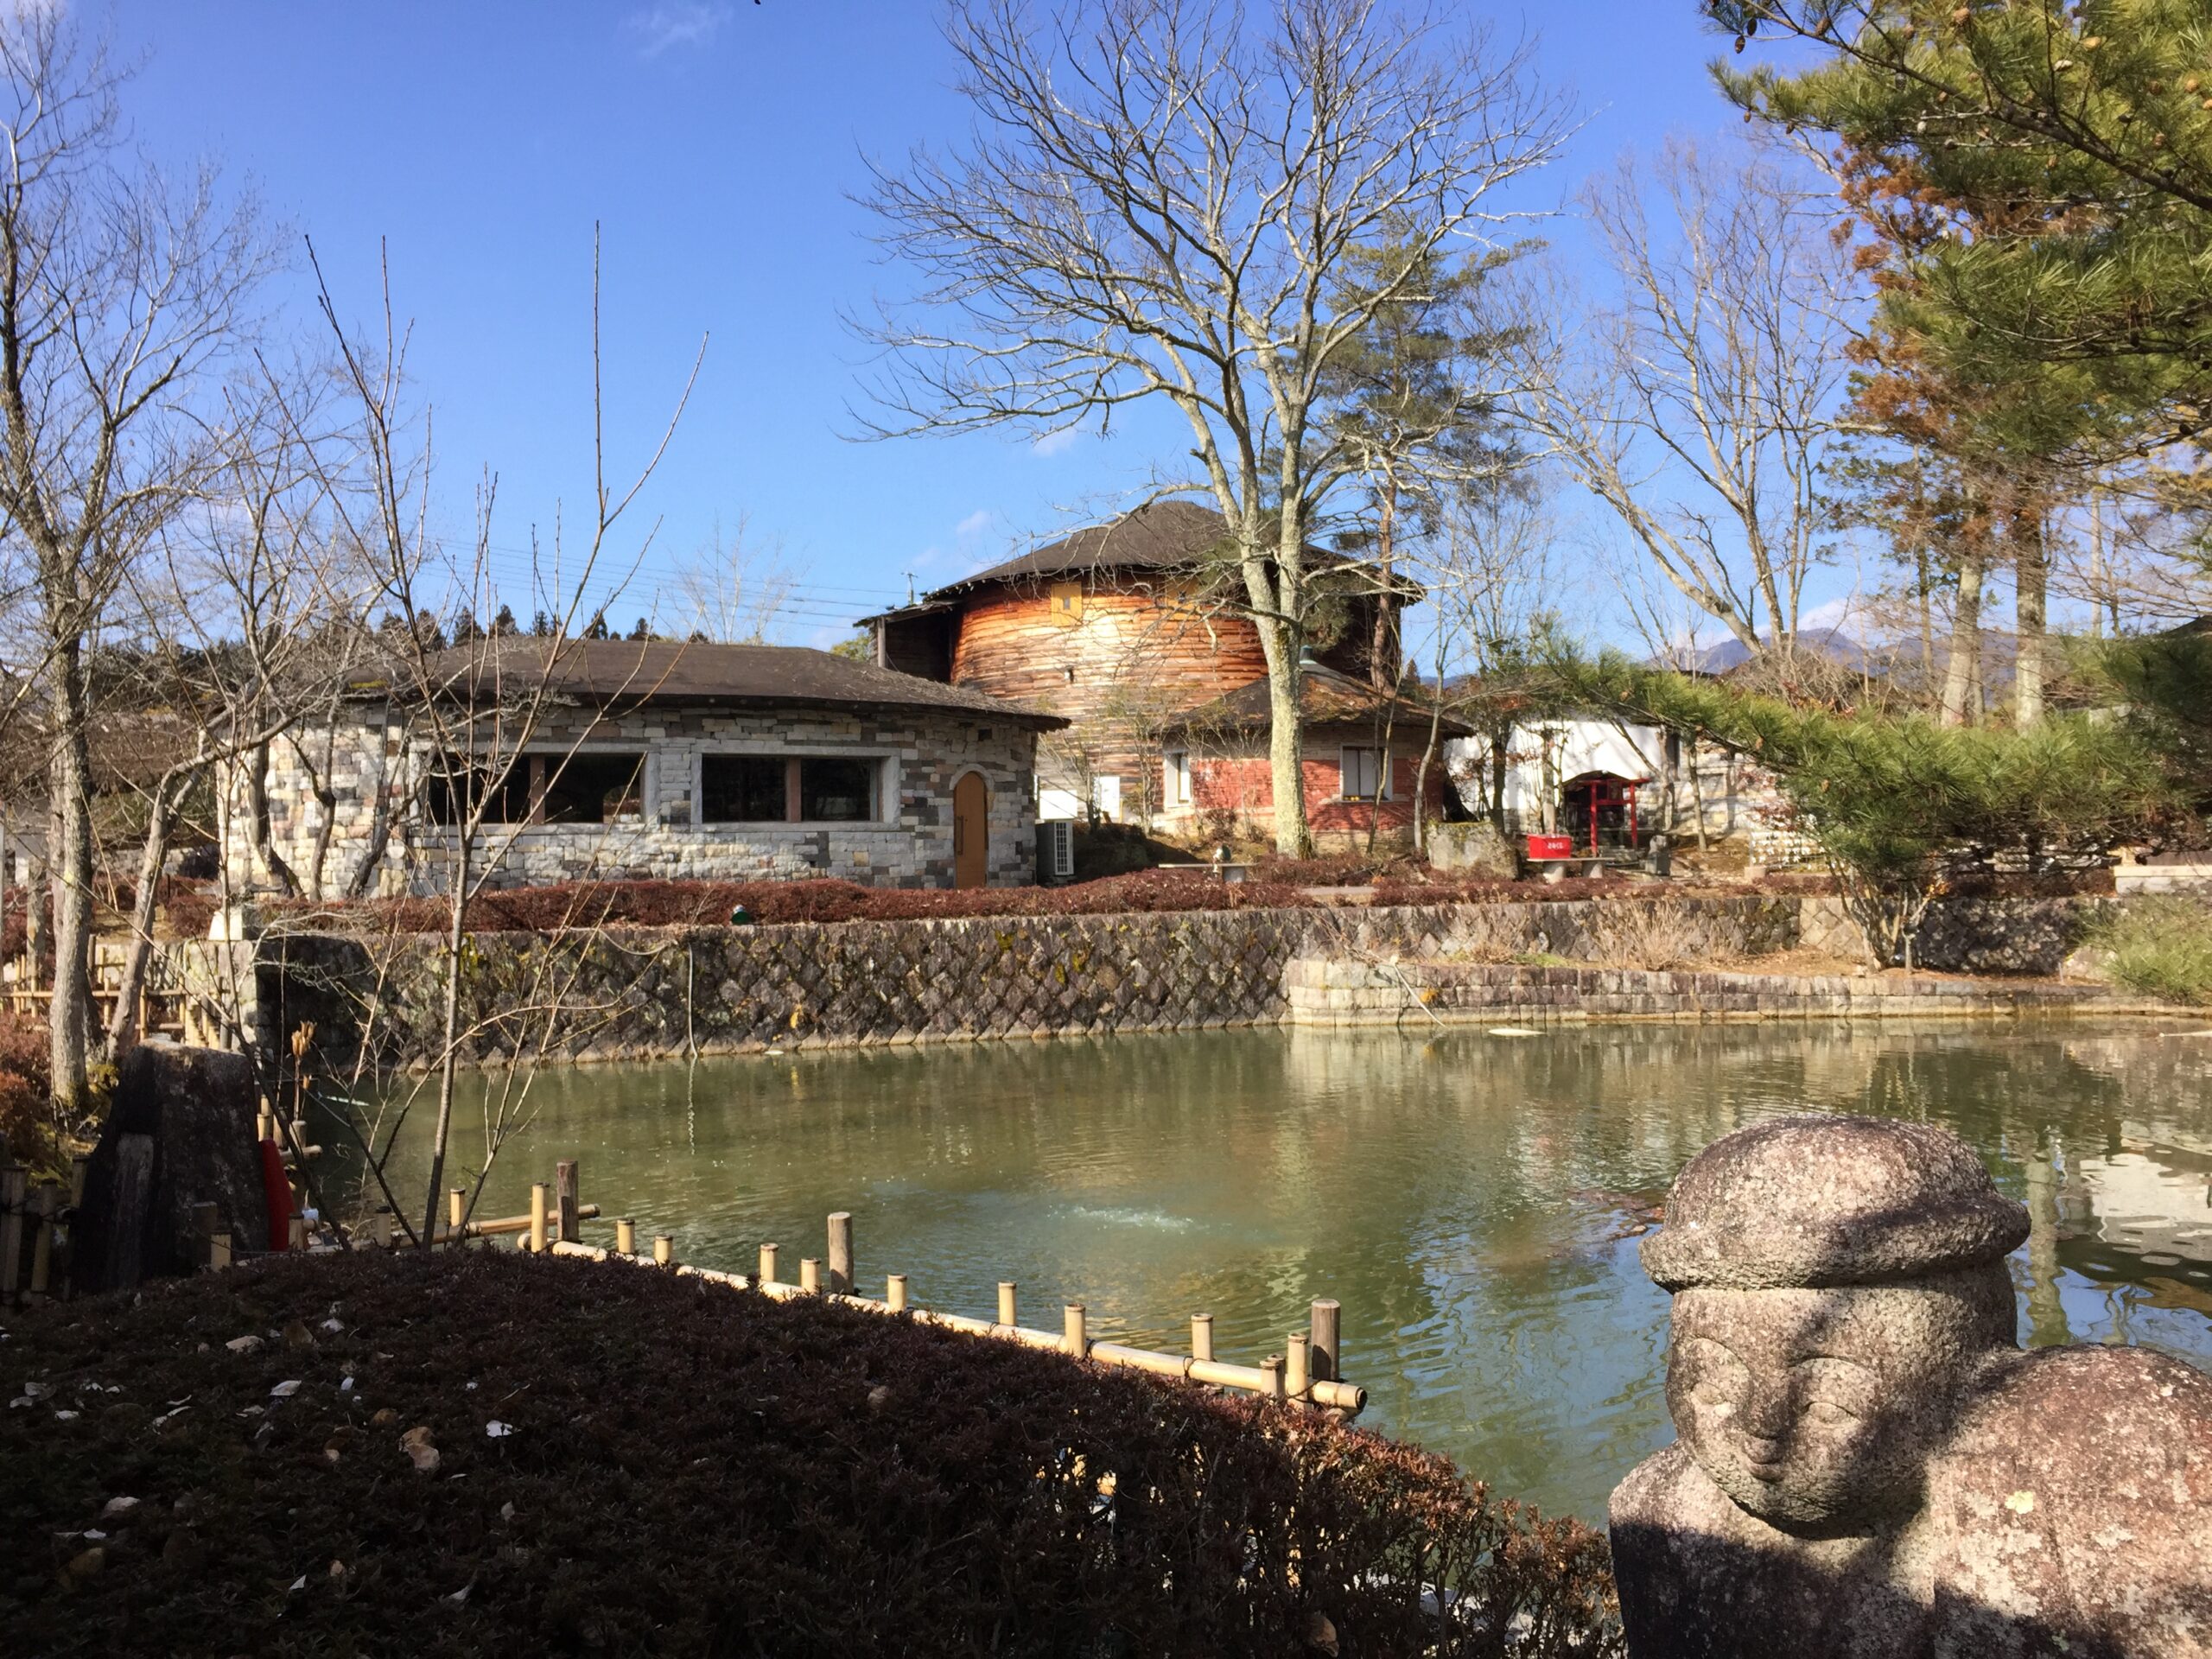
x: 1472, y: 1200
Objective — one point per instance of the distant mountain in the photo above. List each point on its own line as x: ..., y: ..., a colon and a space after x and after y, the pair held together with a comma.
x: 1843, y: 649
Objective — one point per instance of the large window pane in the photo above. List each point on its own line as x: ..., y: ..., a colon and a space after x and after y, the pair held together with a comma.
x: 592, y: 788
x: 836, y: 791
x: 741, y: 789
x: 456, y: 784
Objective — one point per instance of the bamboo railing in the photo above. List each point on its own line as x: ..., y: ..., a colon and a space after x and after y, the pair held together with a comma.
x: 1306, y: 1370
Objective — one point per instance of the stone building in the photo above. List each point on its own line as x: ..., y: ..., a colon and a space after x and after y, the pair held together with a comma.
x: 614, y: 760
x: 1124, y: 629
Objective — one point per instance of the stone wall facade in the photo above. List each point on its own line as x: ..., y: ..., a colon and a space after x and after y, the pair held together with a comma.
x: 373, y: 769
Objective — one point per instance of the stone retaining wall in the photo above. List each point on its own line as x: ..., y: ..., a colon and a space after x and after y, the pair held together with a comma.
x: 645, y: 993
x: 1967, y: 935
x: 1324, y: 992
x: 659, y: 992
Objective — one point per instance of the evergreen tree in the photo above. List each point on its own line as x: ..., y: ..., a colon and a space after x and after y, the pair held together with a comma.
x: 464, y: 629
x: 1404, y: 397
x: 2071, y: 147
x: 596, y: 628
x: 643, y: 631
x: 504, y: 625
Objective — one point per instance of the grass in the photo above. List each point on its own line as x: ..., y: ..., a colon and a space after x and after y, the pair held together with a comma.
x: 2161, y: 945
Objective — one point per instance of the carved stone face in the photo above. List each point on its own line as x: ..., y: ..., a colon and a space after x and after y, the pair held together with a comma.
x: 1815, y: 1410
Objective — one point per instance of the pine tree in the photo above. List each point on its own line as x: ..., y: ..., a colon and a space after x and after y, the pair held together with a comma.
x: 1404, y: 397
x: 2077, y: 145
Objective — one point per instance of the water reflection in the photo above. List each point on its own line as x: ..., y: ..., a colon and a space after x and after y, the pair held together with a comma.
x: 1474, y: 1202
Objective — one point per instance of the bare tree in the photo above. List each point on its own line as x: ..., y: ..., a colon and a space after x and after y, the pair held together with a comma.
x: 1696, y: 405
x: 122, y: 295
x: 731, y: 591
x: 1159, y: 204
x: 468, y: 712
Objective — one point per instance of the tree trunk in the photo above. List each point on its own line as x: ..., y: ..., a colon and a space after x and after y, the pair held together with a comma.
x: 1428, y: 756
x: 123, y: 1025
x: 69, y: 1016
x: 1927, y: 621
x: 1286, y: 758
x: 1961, y: 705
x: 2031, y: 567
x: 1501, y: 742
x: 1697, y: 788
x: 456, y: 937
x: 264, y: 842
x: 1381, y: 669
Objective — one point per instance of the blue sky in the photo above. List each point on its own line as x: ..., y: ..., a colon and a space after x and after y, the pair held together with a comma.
x: 714, y: 144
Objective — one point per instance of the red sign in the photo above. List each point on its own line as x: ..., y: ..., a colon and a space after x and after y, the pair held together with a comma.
x: 1551, y: 846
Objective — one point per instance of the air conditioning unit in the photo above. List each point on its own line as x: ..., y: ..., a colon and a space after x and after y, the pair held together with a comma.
x: 1056, y: 849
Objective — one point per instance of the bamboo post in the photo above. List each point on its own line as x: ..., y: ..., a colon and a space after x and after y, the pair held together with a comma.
x: 1271, y: 1378
x: 538, y: 1197
x: 1295, y: 1377
x: 664, y: 1250
x: 841, y: 1254
x: 456, y: 1212
x: 13, y: 1190
x: 768, y: 1263
x: 206, y: 1219
x: 626, y: 1236
x: 1005, y: 1303
x: 219, y: 1249
x: 42, y: 1238
x: 1077, y: 1327
x: 810, y: 1276
x: 1323, y: 1353
x: 894, y: 1292
x: 1202, y: 1337
x: 80, y: 1166
x: 566, y: 1225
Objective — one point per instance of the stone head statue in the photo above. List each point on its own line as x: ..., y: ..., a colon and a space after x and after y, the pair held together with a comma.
x: 1837, y: 1282
x: 1867, y: 1465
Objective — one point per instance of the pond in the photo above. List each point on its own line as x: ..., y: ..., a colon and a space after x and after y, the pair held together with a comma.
x: 1473, y: 1200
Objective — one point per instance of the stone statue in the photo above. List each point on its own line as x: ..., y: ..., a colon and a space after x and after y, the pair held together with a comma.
x: 1868, y: 1465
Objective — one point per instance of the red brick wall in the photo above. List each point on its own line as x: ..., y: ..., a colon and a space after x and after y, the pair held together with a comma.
x: 1244, y: 783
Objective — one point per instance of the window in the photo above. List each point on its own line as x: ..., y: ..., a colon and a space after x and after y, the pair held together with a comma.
x: 836, y: 791
x: 1362, y: 776
x: 591, y: 788
x: 742, y: 789
x: 1067, y: 603
x: 1177, y: 778
x: 456, y: 784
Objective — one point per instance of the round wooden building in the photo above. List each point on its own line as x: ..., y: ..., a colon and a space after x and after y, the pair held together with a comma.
x: 1122, y: 629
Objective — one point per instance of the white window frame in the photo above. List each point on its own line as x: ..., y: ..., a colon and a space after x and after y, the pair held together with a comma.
x: 1346, y: 767
x: 1175, y: 782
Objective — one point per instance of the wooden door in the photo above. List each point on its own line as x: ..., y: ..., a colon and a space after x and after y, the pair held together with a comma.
x: 971, y: 813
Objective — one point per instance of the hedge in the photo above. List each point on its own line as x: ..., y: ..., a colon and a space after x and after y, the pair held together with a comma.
x: 629, y: 1461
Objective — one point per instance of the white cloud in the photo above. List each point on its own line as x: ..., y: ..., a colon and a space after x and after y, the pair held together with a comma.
x: 1835, y: 613
x: 674, y: 24
x: 1052, y: 443
x: 974, y: 524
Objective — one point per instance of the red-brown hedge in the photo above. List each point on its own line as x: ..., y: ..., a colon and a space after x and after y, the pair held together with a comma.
x: 27, y: 1128
x: 694, y: 1469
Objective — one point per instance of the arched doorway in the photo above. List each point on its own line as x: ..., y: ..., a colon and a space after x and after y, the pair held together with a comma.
x: 971, y: 835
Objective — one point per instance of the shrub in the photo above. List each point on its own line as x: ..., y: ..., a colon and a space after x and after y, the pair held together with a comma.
x: 694, y: 1469
x: 2161, y: 945
x: 27, y: 1124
